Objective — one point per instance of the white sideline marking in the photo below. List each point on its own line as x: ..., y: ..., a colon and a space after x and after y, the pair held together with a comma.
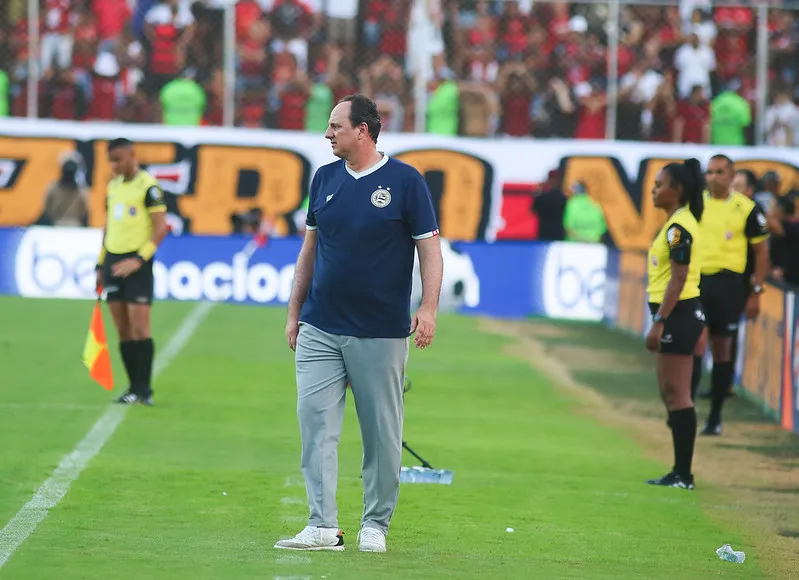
x: 55, y: 488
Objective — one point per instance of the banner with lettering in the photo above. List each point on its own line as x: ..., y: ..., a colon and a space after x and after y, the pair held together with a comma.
x: 212, y: 173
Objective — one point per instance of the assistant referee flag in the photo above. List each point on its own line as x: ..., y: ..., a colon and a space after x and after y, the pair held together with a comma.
x: 95, y: 352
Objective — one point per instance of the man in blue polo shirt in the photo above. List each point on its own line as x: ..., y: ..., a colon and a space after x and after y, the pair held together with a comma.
x: 349, y: 319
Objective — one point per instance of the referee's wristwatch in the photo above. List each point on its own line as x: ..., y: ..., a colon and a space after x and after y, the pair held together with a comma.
x: 657, y: 318
x: 757, y: 289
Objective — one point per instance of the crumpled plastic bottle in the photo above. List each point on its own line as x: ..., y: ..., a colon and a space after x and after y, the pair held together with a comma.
x: 727, y: 554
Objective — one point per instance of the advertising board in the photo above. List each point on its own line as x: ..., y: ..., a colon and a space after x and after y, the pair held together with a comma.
x: 211, y: 173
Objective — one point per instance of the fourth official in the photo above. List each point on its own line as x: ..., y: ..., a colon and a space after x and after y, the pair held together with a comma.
x: 730, y: 225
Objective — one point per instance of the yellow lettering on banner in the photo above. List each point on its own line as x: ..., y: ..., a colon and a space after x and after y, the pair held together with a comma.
x: 466, y: 192
x: 762, y: 372
x: 146, y: 153
x: 632, y: 291
x: 630, y: 229
x: 283, y: 176
x: 22, y: 203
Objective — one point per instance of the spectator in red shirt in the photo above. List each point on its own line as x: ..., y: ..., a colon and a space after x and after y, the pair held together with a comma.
x: 291, y: 114
x: 593, y: 109
x: 516, y: 88
x: 692, y: 122
x: 112, y: 16
x: 103, y: 105
x: 57, y: 28
x: 63, y: 98
x: 252, y: 55
x: 169, y: 28
x: 247, y: 12
x: 512, y: 31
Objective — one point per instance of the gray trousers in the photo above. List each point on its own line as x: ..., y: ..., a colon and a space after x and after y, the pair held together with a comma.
x: 375, y: 368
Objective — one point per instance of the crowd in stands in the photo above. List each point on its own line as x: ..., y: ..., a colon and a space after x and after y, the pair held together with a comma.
x: 687, y: 72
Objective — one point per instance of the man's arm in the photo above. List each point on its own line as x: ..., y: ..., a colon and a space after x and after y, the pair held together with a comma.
x: 757, y: 232
x: 303, y: 273
x: 431, y: 264
x: 762, y: 264
x: 156, y: 206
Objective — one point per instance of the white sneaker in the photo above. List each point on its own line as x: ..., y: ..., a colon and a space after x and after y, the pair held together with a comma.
x: 313, y: 538
x: 371, y: 540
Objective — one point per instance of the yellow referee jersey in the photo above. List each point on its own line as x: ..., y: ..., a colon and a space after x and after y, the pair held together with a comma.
x: 678, y: 240
x: 128, y: 205
x: 728, y: 226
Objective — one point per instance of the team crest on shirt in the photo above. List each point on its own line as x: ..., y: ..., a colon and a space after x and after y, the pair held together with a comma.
x: 132, y: 211
x: 381, y: 197
x: 728, y: 235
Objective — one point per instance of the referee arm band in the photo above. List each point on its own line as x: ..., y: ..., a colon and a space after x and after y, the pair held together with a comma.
x: 147, y: 251
x: 101, y: 258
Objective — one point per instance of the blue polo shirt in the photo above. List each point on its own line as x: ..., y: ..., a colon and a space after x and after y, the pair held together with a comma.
x: 366, y: 225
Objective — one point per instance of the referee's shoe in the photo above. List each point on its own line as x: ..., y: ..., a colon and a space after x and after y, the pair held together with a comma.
x: 131, y: 398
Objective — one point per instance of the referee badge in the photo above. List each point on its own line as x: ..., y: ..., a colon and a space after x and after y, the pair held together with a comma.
x: 673, y: 236
x: 381, y: 197
x: 155, y: 193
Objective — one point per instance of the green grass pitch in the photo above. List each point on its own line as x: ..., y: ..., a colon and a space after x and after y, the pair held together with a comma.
x: 203, y: 484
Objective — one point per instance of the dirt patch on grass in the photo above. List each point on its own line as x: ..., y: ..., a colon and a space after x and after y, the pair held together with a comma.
x: 754, y: 467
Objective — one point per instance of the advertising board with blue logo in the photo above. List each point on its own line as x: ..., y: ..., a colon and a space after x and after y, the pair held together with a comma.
x: 509, y: 280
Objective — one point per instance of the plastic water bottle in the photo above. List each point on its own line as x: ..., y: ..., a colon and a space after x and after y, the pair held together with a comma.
x: 425, y: 475
x: 727, y: 554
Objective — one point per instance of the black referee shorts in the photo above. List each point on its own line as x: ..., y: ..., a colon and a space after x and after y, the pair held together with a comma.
x: 683, y: 327
x: 723, y: 298
x: 137, y: 288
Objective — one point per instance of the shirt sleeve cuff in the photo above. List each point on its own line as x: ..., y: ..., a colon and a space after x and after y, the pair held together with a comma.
x: 758, y: 239
x: 307, y: 227
x: 425, y: 235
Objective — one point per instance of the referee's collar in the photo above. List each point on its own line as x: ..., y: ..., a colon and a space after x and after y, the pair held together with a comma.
x: 728, y: 198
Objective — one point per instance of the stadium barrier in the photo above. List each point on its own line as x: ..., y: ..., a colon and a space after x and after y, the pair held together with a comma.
x: 767, y: 369
x: 509, y: 279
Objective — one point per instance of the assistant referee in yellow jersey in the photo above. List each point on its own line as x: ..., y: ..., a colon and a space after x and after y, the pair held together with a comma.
x: 730, y: 225
x: 678, y: 322
x: 135, y: 226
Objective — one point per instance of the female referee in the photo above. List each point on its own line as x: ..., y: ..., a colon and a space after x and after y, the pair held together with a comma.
x: 678, y: 321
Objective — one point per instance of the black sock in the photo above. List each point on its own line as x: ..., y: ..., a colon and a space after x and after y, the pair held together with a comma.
x: 696, y: 376
x: 683, y: 432
x: 721, y: 381
x: 128, y: 350
x: 145, y: 350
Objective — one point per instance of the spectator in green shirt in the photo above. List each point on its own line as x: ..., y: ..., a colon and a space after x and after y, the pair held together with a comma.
x: 443, y: 105
x: 3, y: 94
x: 583, y: 219
x: 183, y: 102
x: 730, y: 115
x: 318, y: 107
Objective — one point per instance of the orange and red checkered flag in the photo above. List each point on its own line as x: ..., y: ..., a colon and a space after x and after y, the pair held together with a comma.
x: 95, y: 353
